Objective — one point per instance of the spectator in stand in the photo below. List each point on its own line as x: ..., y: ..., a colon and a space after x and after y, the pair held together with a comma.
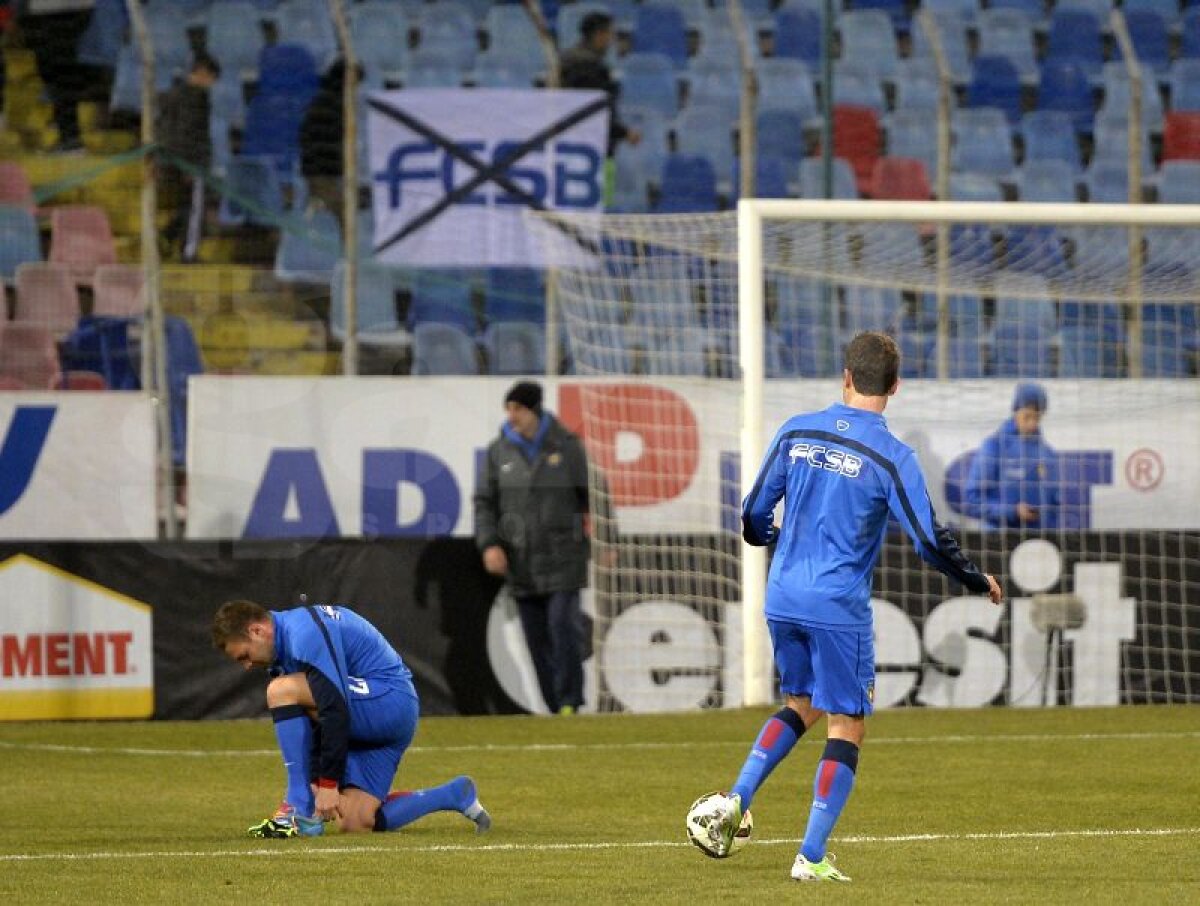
x: 321, y: 153
x: 584, y: 66
x: 183, y: 134
x: 1014, y: 478
x: 51, y: 29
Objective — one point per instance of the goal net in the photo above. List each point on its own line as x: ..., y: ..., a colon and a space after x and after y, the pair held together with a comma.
x: 696, y: 336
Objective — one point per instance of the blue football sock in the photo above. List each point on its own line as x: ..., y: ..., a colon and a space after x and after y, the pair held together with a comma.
x: 294, y: 731
x: 831, y: 789
x: 775, y: 740
x: 406, y: 807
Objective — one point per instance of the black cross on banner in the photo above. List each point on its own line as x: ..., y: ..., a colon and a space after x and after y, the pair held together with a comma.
x: 494, y: 172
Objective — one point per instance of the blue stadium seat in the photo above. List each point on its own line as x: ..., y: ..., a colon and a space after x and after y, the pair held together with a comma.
x: 966, y: 357
x: 917, y: 354
x: 965, y: 311
x: 1115, y: 104
x: 798, y: 35
x: 649, y: 80
x: 1163, y: 351
x: 916, y: 83
x: 996, y: 83
x: 974, y: 187
x: 1008, y: 33
x: 1065, y: 86
x: 1034, y: 10
x: 308, y: 24
x: 1025, y: 300
x: 286, y: 85
x: 430, y: 67
x: 448, y: 29
x: 688, y: 185
x: 1020, y: 350
x: 955, y: 46
x: 633, y: 171
x: 1075, y: 34
x: 781, y: 133
x: 443, y: 297
x: 378, y: 323
x: 801, y: 300
x: 773, y: 176
x: 502, y: 69
x: 1189, y: 42
x: 1081, y: 352
x: 255, y: 193
x: 1110, y: 144
x: 1168, y: 10
x: 233, y: 37
x: 1047, y: 180
x: 1151, y: 41
x: 886, y: 245
x: 808, y: 350
x: 309, y: 248
x: 440, y: 348
x: 869, y: 39
x: 659, y: 28
x: 380, y: 35
x: 100, y: 42
x: 1037, y: 250
x: 1101, y: 9
x: 714, y: 84
x: 514, y: 294
x: 1179, y: 182
x: 1091, y: 339
x: 1185, y: 85
x: 515, y: 347
x: 1050, y: 135
x: 704, y: 132
x: 871, y: 308
x: 966, y: 10
x: 1100, y: 253
x: 19, y: 239
x: 510, y: 28
x: 786, y: 84
x: 812, y: 178
x: 972, y: 252
x: 983, y: 143
x: 909, y: 135
x: 858, y: 85
x: 1107, y: 183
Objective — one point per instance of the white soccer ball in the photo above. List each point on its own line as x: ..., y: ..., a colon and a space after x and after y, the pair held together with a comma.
x: 703, y: 822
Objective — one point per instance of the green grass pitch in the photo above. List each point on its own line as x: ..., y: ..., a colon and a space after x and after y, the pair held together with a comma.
x: 997, y: 806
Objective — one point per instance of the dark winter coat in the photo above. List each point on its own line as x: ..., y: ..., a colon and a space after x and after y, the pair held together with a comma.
x: 582, y: 67
x: 182, y: 126
x: 537, y: 511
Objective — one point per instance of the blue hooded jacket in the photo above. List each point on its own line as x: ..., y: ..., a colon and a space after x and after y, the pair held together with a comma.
x: 1012, y: 468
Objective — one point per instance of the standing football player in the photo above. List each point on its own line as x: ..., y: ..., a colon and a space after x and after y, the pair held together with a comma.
x: 841, y: 473
x: 345, y: 711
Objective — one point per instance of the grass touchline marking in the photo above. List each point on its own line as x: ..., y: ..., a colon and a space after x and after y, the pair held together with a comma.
x: 571, y: 746
x: 291, y: 849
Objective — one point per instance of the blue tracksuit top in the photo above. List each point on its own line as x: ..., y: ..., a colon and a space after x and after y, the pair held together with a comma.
x: 841, y: 472
x: 1012, y: 468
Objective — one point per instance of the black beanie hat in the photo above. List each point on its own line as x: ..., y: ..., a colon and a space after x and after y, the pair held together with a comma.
x: 527, y: 394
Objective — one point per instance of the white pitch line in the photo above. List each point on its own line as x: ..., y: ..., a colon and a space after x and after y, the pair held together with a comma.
x: 618, y: 746
x: 303, y: 851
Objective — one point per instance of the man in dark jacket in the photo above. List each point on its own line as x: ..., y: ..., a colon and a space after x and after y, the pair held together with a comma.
x: 531, y: 526
x: 1014, y: 478
x: 584, y: 66
x: 183, y: 135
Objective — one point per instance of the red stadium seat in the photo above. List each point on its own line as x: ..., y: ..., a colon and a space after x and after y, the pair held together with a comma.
x: 117, y: 290
x: 81, y: 238
x: 900, y: 179
x: 1181, y: 136
x: 15, y: 189
x: 46, y: 296
x: 856, y: 137
x: 28, y: 355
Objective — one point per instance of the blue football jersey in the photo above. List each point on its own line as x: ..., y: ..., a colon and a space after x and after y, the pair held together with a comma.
x: 841, y: 472
x: 351, y: 653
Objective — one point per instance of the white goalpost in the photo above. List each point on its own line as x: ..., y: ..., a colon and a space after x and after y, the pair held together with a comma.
x: 725, y: 324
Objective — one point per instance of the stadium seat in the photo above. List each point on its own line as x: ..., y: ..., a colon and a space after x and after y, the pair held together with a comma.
x: 1116, y: 97
x: 1110, y: 144
x: 871, y: 308
x: 1091, y: 339
x: 1179, y: 182
x: 996, y: 83
x: 773, y: 177
x: 857, y: 85
x: 1047, y: 180
x: 781, y: 133
x: 255, y: 194
x: 15, y: 189
x: 570, y: 18
x: 1065, y: 87
x: 965, y: 311
x: 972, y: 252
x: 448, y: 28
x: 380, y: 35
x: 1037, y: 250
x: 982, y: 143
x: 974, y: 187
x: 1021, y: 351
x: 1168, y: 10
x: 808, y: 350
x: 688, y: 185
x: 900, y: 179
x: 117, y: 290
x: 704, y: 132
x: 1075, y: 35
x: 1034, y: 10
x: 515, y: 347
x: 1107, y: 183
x: 440, y: 348
x: 649, y: 81
x: 955, y: 46
x: 100, y: 43
x: 715, y: 84
x: 856, y: 138
x: 233, y: 37
x: 798, y: 35
x: 81, y: 239
x: 869, y: 38
x: 1050, y: 135
x: 28, y: 355
x: 966, y: 10
x: 1185, y: 85
x: 1100, y: 253
x: 87, y: 381
x: 46, y: 296
x: 514, y: 294
x: 917, y: 354
x: 812, y: 178
x: 287, y: 83
x: 430, y: 67
x: 378, y: 324
x: 632, y: 174
x: 308, y: 23
x: 1163, y: 353
x: 909, y: 135
x: 659, y: 28
x: 1101, y: 9
x: 510, y: 28
x: 1151, y: 41
x: 786, y: 84
x: 443, y: 297
x: 309, y: 247
x: 1181, y: 136
x: 1008, y: 33
x: 19, y: 239
x: 1189, y: 44
x: 916, y: 83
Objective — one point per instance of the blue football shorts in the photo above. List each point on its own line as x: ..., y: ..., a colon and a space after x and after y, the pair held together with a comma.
x: 835, y: 667
x: 381, y: 730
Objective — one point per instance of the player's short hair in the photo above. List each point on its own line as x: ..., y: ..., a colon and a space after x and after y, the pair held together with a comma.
x: 593, y: 23
x: 233, y: 619
x: 873, y: 360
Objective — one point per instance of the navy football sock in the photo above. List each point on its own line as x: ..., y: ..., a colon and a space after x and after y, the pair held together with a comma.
x: 831, y: 789
x: 777, y: 737
x: 294, y: 731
